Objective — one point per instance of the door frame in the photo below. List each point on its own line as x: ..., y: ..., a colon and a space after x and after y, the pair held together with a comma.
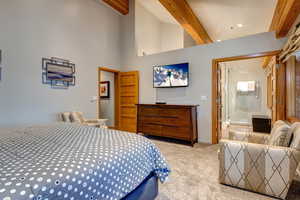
x: 117, y: 95
x: 215, y: 82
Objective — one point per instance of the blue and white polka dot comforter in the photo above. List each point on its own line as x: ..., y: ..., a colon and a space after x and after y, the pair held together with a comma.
x: 64, y: 161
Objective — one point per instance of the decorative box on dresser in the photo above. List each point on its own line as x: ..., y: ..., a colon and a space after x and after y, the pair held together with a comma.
x: 171, y: 121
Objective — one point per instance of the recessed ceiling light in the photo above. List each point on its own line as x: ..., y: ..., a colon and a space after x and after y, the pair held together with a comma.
x: 239, y: 25
x: 218, y: 40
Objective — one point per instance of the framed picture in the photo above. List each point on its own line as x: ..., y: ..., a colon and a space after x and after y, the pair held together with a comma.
x: 104, y: 89
x: 58, y: 72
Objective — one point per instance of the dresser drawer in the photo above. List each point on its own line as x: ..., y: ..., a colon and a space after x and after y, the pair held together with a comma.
x: 148, y: 111
x: 168, y: 121
x: 152, y: 129
x: 165, y: 121
x: 165, y: 116
x: 172, y: 112
x: 176, y: 132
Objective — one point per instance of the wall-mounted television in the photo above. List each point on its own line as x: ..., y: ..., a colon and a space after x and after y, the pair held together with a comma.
x: 166, y: 76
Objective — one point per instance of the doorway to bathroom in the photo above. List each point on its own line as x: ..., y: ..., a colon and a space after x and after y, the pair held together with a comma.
x: 245, y: 88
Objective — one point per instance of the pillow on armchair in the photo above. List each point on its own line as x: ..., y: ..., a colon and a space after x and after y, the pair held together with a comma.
x: 280, y: 135
x: 296, y: 139
x: 76, y: 117
x: 66, y: 116
x: 279, y: 123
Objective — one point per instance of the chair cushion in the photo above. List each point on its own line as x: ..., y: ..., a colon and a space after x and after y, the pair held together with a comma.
x: 76, y: 117
x: 280, y: 135
x: 66, y: 117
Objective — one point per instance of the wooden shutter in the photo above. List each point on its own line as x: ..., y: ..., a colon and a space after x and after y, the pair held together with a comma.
x: 276, y: 98
x: 129, y: 97
x: 269, y: 91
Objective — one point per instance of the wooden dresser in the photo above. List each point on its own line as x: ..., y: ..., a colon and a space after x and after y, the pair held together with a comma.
x: 172, y: 121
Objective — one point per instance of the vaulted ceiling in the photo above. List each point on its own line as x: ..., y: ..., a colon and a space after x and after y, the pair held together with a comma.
x: 222, y: 18
x: 216, y: 20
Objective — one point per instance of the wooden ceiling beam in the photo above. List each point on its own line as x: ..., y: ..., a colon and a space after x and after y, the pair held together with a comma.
x: 183, y: 13
x: 122, y: 6
x: 284, y: 17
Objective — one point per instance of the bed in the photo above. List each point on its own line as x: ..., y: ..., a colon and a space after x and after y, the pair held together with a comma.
x: 67, y: 161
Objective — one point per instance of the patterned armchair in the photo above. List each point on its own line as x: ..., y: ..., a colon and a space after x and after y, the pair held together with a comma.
x: 77, y: 117
x: 261, y: 163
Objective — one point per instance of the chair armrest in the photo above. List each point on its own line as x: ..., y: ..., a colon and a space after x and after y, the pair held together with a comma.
x: 92, y: 121
x: 260, y: 168
x: 251, y: 137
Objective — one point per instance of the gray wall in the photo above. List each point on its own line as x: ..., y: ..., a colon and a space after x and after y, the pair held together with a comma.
x: 200, y: 59
x: 107, y: 106
x: 84, y: 31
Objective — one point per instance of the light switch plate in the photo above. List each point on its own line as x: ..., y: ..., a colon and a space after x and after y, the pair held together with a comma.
x: 203, y: 98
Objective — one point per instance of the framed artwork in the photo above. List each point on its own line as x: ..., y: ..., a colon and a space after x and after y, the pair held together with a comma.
x: 58, y: 72
x: 104, y: 89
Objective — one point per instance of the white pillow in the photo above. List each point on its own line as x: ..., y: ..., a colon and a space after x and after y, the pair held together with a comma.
x: 66, y: 117
x: 280, y: 135
x: 296, y: 140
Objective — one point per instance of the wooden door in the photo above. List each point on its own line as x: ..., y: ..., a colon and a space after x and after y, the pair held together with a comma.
x: 129, y: 97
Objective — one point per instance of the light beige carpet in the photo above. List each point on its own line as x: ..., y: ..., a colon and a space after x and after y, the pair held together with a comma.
x: 195, y: 176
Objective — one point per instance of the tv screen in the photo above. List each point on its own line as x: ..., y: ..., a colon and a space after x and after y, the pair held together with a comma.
x: 176, y: 75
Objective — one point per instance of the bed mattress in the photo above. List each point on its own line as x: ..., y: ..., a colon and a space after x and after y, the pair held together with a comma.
x: 65, y: 161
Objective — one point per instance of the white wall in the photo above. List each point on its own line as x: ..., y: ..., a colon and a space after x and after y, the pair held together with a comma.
x: 200, y: 59
x: 147, y: 32
x: 171, y: 37
x: 84, y: 31
x: 188, y: 40
x: 154, y: 36
x: 107, y: 106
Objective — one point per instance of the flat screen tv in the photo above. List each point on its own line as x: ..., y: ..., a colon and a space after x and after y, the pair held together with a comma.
x: 167, y: 76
